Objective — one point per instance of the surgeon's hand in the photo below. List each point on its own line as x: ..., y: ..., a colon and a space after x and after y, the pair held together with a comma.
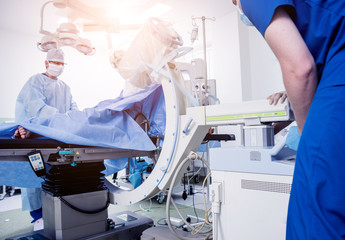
x: 274, y: 98
x: 22, y: 133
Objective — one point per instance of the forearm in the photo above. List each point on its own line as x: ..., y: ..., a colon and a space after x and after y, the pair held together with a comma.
x: 47, y: 111
x: 34, y: 100
x: 296, y: 61
x: 74, y: 105
x: 300, y: 89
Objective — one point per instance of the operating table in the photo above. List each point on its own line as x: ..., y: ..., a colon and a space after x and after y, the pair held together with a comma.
x: 75, y: 196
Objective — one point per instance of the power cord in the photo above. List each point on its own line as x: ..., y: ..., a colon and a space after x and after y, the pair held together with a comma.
x: 83, y: 210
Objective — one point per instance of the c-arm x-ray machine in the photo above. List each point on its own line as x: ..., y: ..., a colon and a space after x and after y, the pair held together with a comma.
x: 250, y: 184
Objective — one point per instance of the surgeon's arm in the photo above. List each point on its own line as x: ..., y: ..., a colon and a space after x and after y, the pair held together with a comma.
x: 74, y: 105
x: 35, y: 102
x: 297, y: 63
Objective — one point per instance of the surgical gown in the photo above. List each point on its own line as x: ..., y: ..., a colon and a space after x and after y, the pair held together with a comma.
x: 41, y: 96
x: 316, y: 207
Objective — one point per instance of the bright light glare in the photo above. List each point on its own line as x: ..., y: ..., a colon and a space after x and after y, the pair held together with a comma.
x: 156, y: 11
x: 62, y: 20
x: 117, y: 11
x: 127, y: 17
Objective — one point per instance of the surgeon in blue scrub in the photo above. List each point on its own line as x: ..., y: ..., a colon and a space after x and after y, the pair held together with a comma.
x: 308, y: 39
x: 43, y: 95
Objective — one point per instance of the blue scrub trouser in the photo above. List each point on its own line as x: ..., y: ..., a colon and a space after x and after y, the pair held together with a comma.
x: 31, y: 199
x: 317, y: 201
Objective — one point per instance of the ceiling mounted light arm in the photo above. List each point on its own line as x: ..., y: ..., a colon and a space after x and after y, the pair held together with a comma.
x: 67, y: 33
x: 42, y: 17
x: 92, y: 13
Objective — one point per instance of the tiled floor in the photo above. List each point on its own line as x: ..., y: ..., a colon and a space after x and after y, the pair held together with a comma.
x: 14, y: 202
x: 15, y: 222
x: 11, y: 202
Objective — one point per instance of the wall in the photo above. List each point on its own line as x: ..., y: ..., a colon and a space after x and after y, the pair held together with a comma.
x: 18, y: 61
x: 265, y: 72
x: 245, y: 67
x: 226, y: 59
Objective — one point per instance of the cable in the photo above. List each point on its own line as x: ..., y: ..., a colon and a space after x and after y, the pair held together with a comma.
x: 188, y: 224
x: 194, y: 174
x: 85, y: 211
x: 196, y: 214
x: 203, y: 193
x: 191, y: 156
x: 159, y: 220
x: 146, y: 210
x: 170, y: 200
x: 215, y: 221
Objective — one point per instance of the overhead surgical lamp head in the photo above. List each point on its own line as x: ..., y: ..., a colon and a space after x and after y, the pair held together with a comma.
x: 48, y: 42
x: 84, y: 46
x: 66, y: 35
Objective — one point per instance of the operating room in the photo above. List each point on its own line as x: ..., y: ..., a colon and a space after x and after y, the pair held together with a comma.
x: 240, y: 68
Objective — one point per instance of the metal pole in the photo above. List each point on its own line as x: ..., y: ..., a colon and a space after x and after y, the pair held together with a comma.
x: 203, y: 18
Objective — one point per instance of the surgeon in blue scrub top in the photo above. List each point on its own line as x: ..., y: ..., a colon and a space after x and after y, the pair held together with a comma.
x: 43, y: 95
x: 308, y: 39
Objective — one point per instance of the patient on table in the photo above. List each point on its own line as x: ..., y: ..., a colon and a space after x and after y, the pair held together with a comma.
x: 109, y: 124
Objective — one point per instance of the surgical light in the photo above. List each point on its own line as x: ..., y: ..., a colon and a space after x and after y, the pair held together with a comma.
x: 47, y: 42
x: 83, y: 46
x: 66, y: 35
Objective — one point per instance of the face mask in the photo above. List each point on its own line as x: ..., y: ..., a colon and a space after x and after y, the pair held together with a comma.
x: 244, y: 18
x: 55, y: 70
